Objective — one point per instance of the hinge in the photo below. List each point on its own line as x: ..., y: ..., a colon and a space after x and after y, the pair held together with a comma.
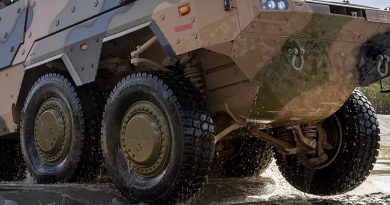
x: 229, y: 4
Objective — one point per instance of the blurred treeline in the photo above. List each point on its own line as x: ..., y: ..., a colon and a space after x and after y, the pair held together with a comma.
x: 380, y: 101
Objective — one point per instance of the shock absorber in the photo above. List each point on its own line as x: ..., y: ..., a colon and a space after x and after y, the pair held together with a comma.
x: 192, y: 70
x: 194, y: 74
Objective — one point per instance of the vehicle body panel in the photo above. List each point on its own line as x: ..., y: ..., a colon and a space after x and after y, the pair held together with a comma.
x: 244, y: 50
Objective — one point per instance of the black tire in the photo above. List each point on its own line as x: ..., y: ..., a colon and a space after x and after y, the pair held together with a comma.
x: 248, y: 157
x: 11, y: 161
x: 91, y: 168
x: 64, y: 99
x: 355, y: 160
x: 191, y: 135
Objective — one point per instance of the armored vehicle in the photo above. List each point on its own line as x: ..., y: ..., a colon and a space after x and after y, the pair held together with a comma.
x: 170, y: 92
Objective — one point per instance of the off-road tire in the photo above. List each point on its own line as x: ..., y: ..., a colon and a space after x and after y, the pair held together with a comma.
x: 355, y: 160
x: 251, y: 157
x: 92, y: 168
x: 191, y: 133
x: 11, y: 161
x: 53, y: 86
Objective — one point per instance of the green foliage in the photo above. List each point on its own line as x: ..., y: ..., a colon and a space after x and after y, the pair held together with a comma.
x: 380, y: 101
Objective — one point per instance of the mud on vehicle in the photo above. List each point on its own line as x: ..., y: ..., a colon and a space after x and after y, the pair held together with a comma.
x: 158, y: 89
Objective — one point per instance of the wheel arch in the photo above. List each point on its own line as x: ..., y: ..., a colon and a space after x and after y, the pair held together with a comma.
x: 74, y: 63
x: 29, y: 78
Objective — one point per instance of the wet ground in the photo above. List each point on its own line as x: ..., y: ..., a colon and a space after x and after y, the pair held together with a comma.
x: 269, y: 188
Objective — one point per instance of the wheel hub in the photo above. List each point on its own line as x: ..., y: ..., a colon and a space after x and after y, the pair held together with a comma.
x: 145, y: 139
x: 142, y: 138
x: 51, y: 131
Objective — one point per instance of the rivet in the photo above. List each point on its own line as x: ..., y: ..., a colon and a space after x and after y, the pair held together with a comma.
x: 29, y: 34
x: 96, y: 3
x: 162, y: 17
x: 177, y: 41
x: 194, y: 35
x: 33, y: 3
x: 73, y: 9
x: 23, y: 51
x: 58, y: 22
x: 5, y: 35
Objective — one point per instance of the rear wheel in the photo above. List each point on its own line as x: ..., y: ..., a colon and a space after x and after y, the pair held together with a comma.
x: 52, y: 129
x: 353, y: 132
x: 242, y: 157
x: 157, y: 138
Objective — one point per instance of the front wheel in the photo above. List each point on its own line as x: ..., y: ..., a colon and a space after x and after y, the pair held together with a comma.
x: 355, y: 142
x: 157, y: 138
x: 52, y: 130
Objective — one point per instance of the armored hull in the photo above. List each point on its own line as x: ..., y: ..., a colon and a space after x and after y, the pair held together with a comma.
x: 261, y: 82
x: 184, y: 81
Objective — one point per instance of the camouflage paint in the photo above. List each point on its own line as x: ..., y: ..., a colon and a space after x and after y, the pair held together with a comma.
x: 12, y: 22
x: 255, y: 78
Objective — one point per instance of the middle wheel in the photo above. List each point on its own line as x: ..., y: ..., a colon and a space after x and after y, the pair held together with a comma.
x: 242, y: 156
x: 157, y: 137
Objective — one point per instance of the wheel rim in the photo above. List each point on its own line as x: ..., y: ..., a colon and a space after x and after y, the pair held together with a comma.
x: 52, y: 131
x: 145, y: 139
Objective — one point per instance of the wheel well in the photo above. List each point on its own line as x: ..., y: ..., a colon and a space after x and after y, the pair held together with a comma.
x: 114, y: 64
x: 115, y: 58
x: 30, y: 77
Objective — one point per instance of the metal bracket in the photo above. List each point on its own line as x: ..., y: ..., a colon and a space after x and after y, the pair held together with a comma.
x: 238, y: 124
x: 229, y: 4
